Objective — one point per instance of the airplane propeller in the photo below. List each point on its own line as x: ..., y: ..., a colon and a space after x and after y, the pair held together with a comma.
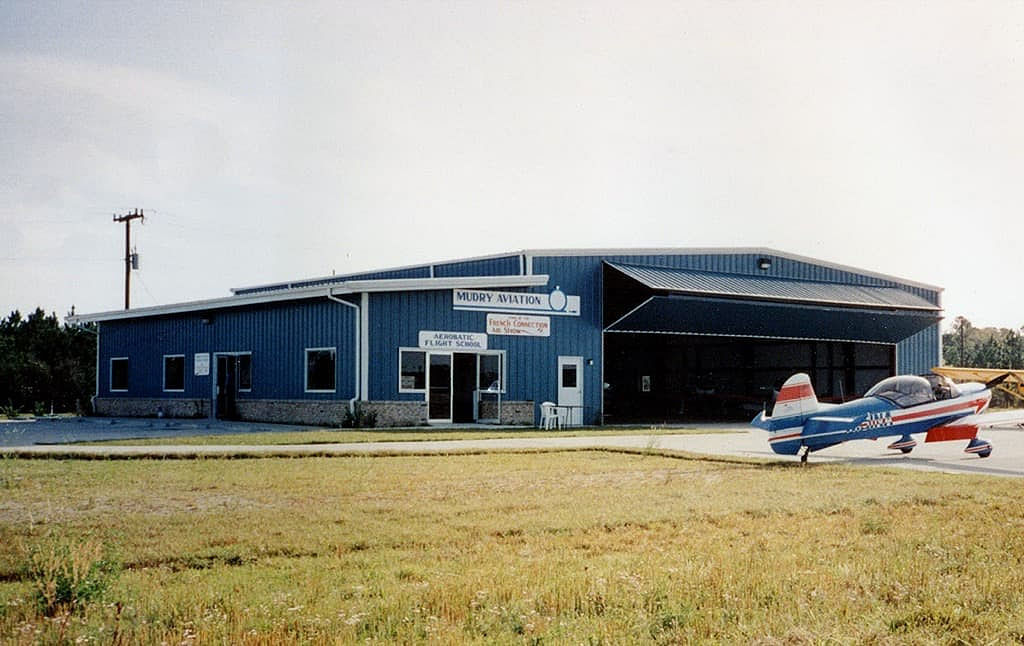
x: 992, y: 383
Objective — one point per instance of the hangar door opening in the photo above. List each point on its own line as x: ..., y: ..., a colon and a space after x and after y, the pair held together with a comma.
x: 658, y: 378
x: 683, y: 344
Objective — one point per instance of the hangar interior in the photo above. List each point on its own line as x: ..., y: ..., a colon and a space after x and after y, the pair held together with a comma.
x: 685, y: 346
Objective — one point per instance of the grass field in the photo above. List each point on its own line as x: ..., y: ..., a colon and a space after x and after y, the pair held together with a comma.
x: 396, y: 435
x: 583, y: 547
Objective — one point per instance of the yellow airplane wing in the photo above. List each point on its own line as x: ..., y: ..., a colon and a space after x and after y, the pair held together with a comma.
x: 1013, y: 384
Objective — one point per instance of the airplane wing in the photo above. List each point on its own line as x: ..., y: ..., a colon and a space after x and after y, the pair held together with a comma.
x: 966, y: 428
x: 1013, y: 384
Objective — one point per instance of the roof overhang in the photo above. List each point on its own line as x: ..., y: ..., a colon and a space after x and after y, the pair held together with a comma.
x: 694, y: 315
x: 320, y: 291
x: 767, y: 288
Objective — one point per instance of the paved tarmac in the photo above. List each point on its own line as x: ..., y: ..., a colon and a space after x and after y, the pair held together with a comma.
x: 63, y: 430
x: 1007, y: 457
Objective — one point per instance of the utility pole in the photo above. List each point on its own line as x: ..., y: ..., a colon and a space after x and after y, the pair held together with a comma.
x: 130, y: 259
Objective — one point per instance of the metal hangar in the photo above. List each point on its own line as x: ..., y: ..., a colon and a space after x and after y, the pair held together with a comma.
x: 611, y: 336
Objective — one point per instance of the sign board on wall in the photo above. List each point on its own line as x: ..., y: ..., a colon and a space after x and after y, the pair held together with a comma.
x: 518, y: 325
x: 557, y: 302
x: 202, y: 364
x: 430, y: 340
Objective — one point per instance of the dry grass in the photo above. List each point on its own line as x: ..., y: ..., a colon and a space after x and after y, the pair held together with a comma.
x: 324, y: 436
x: 582, y: 547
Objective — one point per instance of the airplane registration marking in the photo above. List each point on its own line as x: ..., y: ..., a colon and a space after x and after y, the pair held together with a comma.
x: 880, y: 419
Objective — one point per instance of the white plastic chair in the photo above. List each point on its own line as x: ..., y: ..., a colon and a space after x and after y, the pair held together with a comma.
x: 549, y: 417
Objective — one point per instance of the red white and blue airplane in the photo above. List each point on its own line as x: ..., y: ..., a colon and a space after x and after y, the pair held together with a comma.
x: 895, y: 407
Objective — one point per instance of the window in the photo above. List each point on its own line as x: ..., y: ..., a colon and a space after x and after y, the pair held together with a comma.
x: 119, y: 374
x: 320, y: 370
x: 174, y: 372
x: 491, y: 373
x: 412, y: 373
x: 569, y: 376
x: 245, y: 372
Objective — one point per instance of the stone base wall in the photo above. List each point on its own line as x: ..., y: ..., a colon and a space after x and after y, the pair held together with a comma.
x: 519, y: 413
x: 293, y: 411
x: 329, y: 413
x: 150, y: 407
x: 396, y: 413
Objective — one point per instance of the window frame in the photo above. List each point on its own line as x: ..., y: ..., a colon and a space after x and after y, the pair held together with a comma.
x: 110, y: 375
x: 334, y: 356
x: 502, y: 364
x: 418, y: 391
x: 238, y: 371
x: 164, y: 363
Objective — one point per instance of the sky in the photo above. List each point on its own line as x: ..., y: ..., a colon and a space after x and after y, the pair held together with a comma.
x: 274, y: 141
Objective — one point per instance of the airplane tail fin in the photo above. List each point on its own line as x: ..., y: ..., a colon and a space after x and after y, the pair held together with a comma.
x: 795, y: 403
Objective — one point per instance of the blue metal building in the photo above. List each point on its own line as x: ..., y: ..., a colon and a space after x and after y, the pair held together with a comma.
x: 616, y: 336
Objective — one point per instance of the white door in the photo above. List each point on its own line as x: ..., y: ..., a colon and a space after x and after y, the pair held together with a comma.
x: 570, y: 388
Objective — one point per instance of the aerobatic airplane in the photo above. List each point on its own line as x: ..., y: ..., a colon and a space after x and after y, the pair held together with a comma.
x: 895, y: 407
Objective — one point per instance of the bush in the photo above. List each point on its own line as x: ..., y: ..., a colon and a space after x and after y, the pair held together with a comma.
x: 9, y: 410
x: 359, y: 418
x: 68, y: 575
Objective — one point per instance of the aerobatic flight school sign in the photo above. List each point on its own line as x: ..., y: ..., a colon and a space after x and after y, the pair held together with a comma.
x: 431, y: 340
x: 557, y: 302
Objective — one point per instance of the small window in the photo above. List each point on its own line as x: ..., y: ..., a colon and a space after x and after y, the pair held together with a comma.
x: 174, y: 372
x: 412, y: 373
x: 568, y: 376
x: 490, y: 373
x: 245, y: 372
x: 119, y: 374
x: 320, y: 370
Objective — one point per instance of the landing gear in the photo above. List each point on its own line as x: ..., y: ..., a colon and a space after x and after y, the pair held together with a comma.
x: 904, y: 445
x: 803, y: 456
x: 981, y: 448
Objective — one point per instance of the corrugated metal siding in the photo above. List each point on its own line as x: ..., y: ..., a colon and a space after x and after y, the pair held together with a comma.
x: 532, y: 362
x: 276, y: 335
x: 918, y: 354
x: 504, y: 266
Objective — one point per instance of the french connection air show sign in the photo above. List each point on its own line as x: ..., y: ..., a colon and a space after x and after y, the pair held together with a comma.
x: 557, y: 303
x: 518, y: 325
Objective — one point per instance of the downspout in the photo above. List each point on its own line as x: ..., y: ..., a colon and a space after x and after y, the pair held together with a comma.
x: 357, y: 347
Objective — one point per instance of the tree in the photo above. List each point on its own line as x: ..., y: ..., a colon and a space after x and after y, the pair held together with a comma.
x: 45, y: 365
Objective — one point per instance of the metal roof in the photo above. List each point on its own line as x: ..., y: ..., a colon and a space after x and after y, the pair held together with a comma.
x: 703, y: 283
x: 319, y: 291
x: 528, y: 254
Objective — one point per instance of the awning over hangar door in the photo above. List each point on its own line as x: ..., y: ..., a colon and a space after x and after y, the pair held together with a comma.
x: 721, y: 317
x: 704, y: 303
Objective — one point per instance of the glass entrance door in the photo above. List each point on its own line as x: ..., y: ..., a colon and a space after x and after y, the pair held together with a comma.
x: 439, y: 384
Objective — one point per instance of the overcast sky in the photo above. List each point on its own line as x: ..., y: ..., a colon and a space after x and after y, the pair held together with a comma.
x: 272, y: 141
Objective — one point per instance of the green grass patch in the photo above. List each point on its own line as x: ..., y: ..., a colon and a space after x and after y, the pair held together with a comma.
x: 325, y: 436
x: 572, y: 547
